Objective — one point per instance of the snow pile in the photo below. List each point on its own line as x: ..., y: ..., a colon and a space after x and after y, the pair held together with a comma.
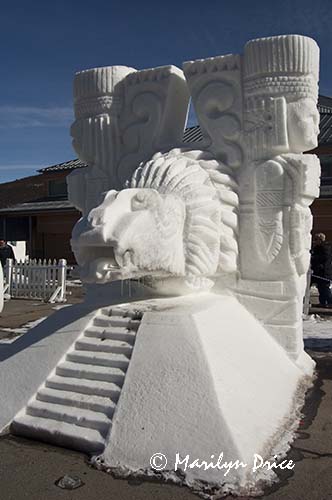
x: 74, y: 283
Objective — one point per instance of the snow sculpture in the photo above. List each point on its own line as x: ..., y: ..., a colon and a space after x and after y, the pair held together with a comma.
x: 254, y: 139
x: 187, y: 200
x: 215, y: 85
x: 217, y: 368
x: 122, y: 117
x: 278, y: 182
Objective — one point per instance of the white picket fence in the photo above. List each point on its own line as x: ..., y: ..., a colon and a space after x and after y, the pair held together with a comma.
x: 36, y: 279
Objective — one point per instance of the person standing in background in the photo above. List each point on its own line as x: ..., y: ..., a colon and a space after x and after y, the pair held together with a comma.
x: 6, y: 252
x: 321, y: 265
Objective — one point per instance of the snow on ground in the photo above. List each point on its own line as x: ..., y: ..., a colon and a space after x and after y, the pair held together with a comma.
x: 74, y: 283
x: 15, y: 333
x: 60, y: 306
x: 317, y: 327
x: 317, y: 333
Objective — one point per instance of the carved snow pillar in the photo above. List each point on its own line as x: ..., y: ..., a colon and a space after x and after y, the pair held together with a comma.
x: 153, y: 118
x: 216, y: 88
x: 278, y: 183
x: 98, y: 103
x: 123, y: 117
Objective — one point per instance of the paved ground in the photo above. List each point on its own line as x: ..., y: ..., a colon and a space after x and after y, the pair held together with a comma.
x: 18, y: 312
x: 29, y: 470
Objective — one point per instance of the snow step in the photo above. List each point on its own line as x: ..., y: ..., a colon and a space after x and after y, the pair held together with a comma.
x: 96, y: 344
x: 92, y: 387
x: 75, y: 406
x: 59, y: 433
x: 115, y: 333
x: 92, y: 372
x: 78, y: 400
x: 77, y: 416
x: 99, y: 358
x: 105, y: 320
x: 119, y: 311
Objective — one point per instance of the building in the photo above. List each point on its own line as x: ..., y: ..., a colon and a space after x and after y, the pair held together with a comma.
x: 322, y: 207
x: 44, y: 217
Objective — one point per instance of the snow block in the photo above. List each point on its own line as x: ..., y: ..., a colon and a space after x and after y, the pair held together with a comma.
x: 205, y: 378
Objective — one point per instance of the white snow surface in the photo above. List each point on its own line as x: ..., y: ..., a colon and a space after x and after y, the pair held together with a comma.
x: 317, y: 333
x: 200, y: 393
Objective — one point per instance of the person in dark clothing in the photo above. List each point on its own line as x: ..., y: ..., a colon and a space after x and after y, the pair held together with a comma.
x: 321, y: 266
x: 6, y: 252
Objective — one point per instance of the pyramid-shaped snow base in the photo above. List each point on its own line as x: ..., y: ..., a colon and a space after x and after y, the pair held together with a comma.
x: 205, y: 379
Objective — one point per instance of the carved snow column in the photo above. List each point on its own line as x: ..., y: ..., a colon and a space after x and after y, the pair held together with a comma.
x: 153, y: 118
x: 98, y: 103
x: 216, y: 88
x: 123, y: 117
x: 278, y: 183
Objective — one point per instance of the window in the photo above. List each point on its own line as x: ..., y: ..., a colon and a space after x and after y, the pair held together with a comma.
x: 57, y: 187
x: 16, y: 229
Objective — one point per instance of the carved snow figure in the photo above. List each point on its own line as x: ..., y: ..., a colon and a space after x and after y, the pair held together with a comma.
x: 221, y: 226
x: 281, y: 117
x: 278, y: 182
x: 179, y: 218
x: 98, y: 100
x: 117, y: 111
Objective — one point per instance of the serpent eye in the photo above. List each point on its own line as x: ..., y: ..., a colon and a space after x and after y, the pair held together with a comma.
x: 139, y: 201
x: 146, y: 199
x: 140, y: 196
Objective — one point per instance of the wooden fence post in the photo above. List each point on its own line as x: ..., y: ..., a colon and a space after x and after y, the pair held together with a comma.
x: 62, y: 278
x: 9, y: 276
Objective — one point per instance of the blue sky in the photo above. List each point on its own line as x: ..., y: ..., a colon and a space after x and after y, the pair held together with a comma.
x: 45, y: 42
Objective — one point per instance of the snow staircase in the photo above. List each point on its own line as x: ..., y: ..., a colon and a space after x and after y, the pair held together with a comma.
x: 75, y: 406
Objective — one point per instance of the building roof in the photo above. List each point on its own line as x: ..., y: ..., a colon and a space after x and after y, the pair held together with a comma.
x: 39, y: 206
x: 325, y: 124
x: 67, y: 165
x: 194, y: 134
x: 191, y: 134
x: 324, y: 104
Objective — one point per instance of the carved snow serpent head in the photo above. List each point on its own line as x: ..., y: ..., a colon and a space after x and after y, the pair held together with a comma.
x: 177, y: 217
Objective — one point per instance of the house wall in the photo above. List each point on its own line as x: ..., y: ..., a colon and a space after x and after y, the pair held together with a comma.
x: 322, y: 207
x: 52, y: 233
x: 47, y: 233
x: 322, y: 217
x: 27, y: 189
